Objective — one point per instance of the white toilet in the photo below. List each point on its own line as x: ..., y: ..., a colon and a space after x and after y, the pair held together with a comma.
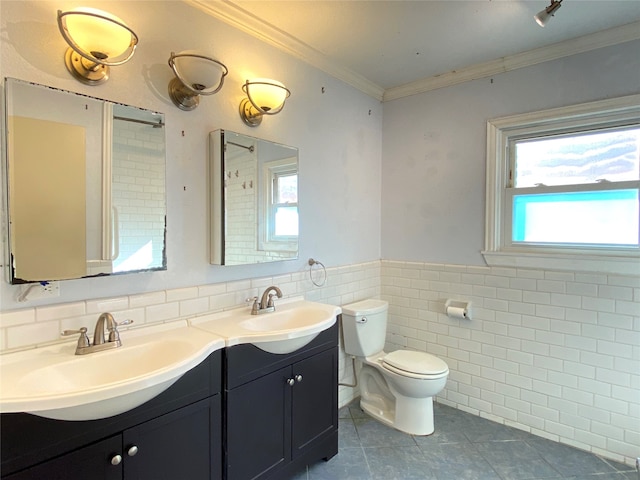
x: 396, y: 388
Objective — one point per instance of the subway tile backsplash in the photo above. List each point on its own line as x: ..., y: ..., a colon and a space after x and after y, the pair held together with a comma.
x: 553, y: 353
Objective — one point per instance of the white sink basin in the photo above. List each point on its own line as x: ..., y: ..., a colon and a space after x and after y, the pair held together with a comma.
x: 53, y: 382
x: 295, y: 323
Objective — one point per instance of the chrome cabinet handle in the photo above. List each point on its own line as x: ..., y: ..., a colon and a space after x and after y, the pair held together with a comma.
x: 291, y: 382
x: 132, y: 450
x: 298, y: 378
x: 116, y: 459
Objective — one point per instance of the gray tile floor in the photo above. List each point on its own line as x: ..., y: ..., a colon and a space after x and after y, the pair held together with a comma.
x: 463, y: 447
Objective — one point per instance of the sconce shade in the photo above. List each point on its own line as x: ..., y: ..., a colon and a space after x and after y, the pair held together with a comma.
x: 97, y: 40
x: 264, y: 97
x: 195, y: 74
x: 543, y: 17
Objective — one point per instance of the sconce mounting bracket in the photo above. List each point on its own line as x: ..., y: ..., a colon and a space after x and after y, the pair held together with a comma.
x: 250, y: 116
x: 182, y: 97
x: 89, y: 75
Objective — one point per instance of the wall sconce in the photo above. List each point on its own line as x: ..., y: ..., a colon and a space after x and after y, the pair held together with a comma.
x: 545, y: 15
x: 264, y: 97
x: 195, y: 75
x: 97, y: 41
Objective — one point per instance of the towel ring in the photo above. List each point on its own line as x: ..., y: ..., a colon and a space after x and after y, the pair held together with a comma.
x: 313, y: 262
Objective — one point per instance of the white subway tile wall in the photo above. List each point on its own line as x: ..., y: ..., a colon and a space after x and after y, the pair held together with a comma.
x: 553, y: 353
x: 240, y: 194
x: 138, y: 194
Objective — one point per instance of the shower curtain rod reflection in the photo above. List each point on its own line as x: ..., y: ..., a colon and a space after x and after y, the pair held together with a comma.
x: 250, y: 148
x: 157, y: 124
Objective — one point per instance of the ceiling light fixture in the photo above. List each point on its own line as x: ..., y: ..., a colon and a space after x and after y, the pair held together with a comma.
x: 97, y: 40
x: 195, y: 75
x: 545, y: 15
x: 264, y: 97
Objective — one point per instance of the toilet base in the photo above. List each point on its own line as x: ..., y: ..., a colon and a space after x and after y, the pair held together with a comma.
x: 410, y: 415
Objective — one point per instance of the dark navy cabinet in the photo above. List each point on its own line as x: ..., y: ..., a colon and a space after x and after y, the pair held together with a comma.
x: 280, y: 410
x: 241, y: 414
x: 176, y: 435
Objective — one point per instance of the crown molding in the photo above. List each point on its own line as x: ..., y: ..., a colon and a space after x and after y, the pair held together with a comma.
x: 239, y: 18
x: 604, y: 38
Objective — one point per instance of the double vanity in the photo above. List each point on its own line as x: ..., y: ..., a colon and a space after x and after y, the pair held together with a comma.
x: 227, y: 395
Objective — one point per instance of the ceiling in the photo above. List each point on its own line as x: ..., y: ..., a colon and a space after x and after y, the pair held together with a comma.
x: 390, y: 49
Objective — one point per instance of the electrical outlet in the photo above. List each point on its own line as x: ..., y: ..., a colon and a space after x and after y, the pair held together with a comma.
x: 37, y: 291
x: 51, y: 289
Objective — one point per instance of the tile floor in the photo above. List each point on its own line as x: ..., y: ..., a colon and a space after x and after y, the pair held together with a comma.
x: 463, y: 447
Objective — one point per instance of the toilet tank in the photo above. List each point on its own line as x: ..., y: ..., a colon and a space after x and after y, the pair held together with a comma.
x: 364, y: 327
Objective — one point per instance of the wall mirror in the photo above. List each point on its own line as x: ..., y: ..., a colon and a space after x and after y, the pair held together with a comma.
x: 85, y: 185
x: 253, y: 200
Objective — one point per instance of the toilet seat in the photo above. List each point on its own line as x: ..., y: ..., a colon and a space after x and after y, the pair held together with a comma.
x: 415, y: 364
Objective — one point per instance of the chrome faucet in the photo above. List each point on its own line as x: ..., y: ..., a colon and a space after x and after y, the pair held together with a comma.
x: 98, y: 334
x: 266, y: 304
x: 99, y: 343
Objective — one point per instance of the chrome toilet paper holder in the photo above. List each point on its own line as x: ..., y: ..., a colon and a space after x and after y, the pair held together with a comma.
x: 458, y: 309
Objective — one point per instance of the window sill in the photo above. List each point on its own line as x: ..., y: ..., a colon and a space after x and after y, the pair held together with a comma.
x: 619, y: 265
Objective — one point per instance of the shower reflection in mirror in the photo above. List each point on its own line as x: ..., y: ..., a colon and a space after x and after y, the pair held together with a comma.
x: 253, y: 200
x: 86, y: 185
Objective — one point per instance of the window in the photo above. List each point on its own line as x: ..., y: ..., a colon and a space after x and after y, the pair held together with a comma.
x: 563, y: 188
x: 283, y: 211
x: 279, y: 230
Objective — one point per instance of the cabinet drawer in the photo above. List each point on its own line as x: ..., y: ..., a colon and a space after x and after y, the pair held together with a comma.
x: 88, y: 463
x: 247, y: 362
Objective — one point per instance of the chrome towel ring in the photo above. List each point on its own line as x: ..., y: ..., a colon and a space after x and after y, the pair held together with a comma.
x: 320, y: 283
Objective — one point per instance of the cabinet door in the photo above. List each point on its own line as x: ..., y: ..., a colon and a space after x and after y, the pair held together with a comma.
x: 315, y: 400
x: 178, y: 445
x: 258, y: 428
x: 87, y: 463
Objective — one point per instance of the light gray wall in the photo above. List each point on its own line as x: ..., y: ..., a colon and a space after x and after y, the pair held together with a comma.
x: 338, y: 138
x: 434, y: 148
x: 552, y: 353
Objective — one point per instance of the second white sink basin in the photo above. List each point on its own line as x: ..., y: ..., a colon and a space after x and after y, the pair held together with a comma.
x: 53, y: 382
x: 293, y: 324
x: 289, y: 316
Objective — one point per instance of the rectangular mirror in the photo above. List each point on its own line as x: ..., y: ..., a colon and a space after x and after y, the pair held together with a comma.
x: 253, y: 200
x: 85, y: 185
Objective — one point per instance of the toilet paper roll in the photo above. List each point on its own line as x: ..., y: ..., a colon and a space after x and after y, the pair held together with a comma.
x: 457, y: 312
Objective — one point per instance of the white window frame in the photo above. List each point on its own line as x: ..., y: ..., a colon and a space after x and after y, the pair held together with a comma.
x: 268, y: 241
x: 500, y: 132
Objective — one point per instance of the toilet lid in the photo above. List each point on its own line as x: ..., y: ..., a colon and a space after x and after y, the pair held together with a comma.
x: 415, y: 362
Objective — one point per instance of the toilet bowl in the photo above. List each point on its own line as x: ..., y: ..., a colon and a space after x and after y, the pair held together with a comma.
x: 396, y: 388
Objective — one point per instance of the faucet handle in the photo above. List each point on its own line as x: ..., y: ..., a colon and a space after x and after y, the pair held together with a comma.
x: 83, y: 340
x: 270, y: 302
x: 255, y: 307
x: 114, y: 336
x: 128, y: 321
